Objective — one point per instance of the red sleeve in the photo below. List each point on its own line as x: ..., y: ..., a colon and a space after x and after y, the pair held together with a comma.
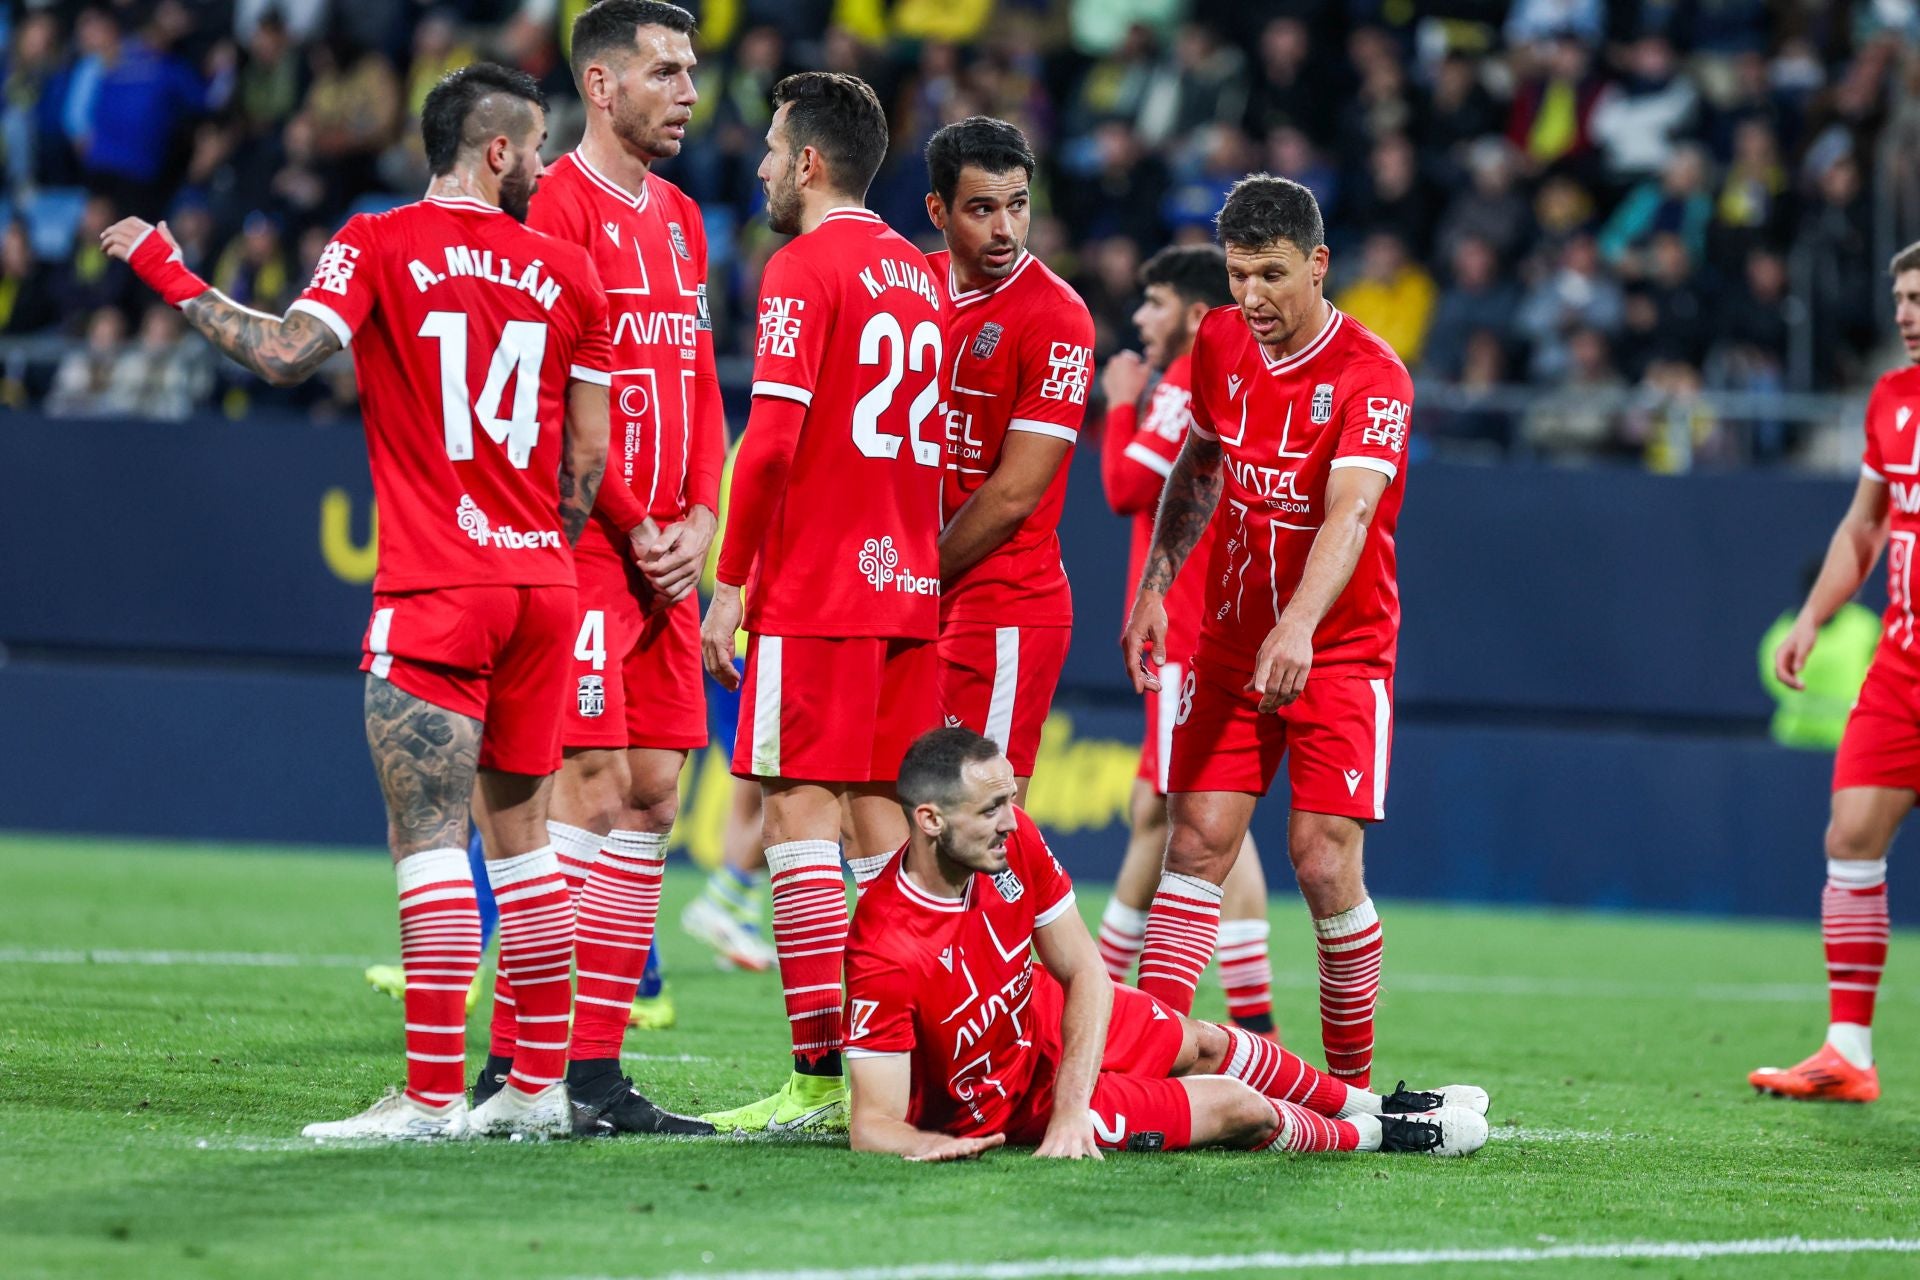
x: 759, y: 478
x: 880, y: 1000
x: 1041, y: 872
x: 1872, y: 466
x: 1199, y: 416
x: 1378, y: 405
x: 1127, y: 488
x: 795, y: 314
x: 1136, y: 468
x: 1056, y: 369
x: 592, y: 359
x: 707, y: 452
x: 345, y: 285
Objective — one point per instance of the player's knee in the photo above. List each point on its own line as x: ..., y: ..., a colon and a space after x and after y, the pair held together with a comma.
x: 1851, y: 841
x: 1246, y: 1117
x: 653, y: 814
x: 1192, y: 851
x: 1209, y: 1047
x: 1324, y: 869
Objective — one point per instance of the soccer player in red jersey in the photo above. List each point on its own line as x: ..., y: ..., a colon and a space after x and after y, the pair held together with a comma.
x: 1300, y: 425
x: 833, y: 527
x: 635, y: 703
x: 1876, y: 771
x: 1181, y: 283
x: 459, y: 316
x: 1019, y: 346
x: 958, y: 1042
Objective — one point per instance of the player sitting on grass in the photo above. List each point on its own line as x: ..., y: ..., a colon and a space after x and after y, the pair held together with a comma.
x: 957, y: 1043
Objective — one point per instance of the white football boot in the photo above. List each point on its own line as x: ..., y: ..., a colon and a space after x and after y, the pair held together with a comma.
x: 396, y: 1117
x: 1404, y: 1101
x: 1447, y: 1131
x: 511, y: 1113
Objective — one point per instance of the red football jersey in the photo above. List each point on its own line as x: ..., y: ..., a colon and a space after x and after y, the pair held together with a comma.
x: 1893, y: 455
x: 1343, y: 400
x: 1155, y: 444
x: 953, y: 983
x: 651, y: 253
x: 466, y: 328
x: 1019, y: 358
x: 850, y: 328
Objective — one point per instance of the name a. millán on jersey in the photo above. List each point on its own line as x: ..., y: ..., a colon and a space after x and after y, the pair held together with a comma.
x: 895, y: 274
x: 479, y: 263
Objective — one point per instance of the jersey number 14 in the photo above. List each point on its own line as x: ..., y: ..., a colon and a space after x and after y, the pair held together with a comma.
x: 522, y: 348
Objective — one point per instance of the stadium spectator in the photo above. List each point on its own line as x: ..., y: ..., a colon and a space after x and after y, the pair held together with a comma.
x: 80, y: 384
x: 27, y: 128
x: 1457, y: 112
x: 1754, y: 205
x: 353, y: 106
x: 1290, y: 87
x: 26, y: 290
x: 1577, y: 418
x: 1835, y: 248
x: 161, y: 375
x: 1576, y: 295
x: 253, y: 271
x: 1476, y: 301
x: 1199, y: 82
x: 1475, y: 416
x: 1678, y: 202
x: 271, y: 77
x: 141, y: 97
x: 1639, y: 119
x: 89, y: 279
x: 1490, y: 207
x: 1394, y: 197
x: 1393, y: 296
x: 1551, y: 117
x: 1291, y: 153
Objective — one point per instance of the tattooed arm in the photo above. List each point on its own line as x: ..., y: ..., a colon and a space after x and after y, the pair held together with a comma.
x: 583, y: 455
x: 284, y: 352
x: 1192, y: 492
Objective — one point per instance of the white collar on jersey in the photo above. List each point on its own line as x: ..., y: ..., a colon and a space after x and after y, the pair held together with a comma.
x: 469, y: 203
x: 611, y: 187
x: 972, y: 296
x: 1288, y: 363
x: 850, y: 213
x: 921, y: 898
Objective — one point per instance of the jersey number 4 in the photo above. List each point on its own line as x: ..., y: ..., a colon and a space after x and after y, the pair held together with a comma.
x: 884, y: 343
x: 522, y: 348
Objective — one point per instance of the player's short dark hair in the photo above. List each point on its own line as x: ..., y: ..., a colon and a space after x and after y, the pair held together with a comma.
x: 839, y: 116
x: 1195, y: 273
x: 1908, y: 259
x: 990, y: 145
x: 474, y: 104
x: 1262, y: 209
x: 607, y: 28
x: 930, y: 771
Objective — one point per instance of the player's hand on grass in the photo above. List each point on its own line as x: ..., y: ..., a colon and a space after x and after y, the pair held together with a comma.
x: 1790, y: 659
x: 118, y: 240
x: 1124, y: 378
x: 1144, y: 643
x: 674, y: 561
x: 1280, y: 672
x: 958, y: 1149
x: 1069, y: 1138
x: 716, y: 636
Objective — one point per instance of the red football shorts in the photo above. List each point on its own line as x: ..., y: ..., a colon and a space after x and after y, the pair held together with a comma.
x: 1163, y: 708
x: 1881, y: 746
x: 817, y: 709
x: 496, y: 654
x: 1336, y: 739
x: 636, y: 676
x: 1135, y: 1105
x: 999, y: 681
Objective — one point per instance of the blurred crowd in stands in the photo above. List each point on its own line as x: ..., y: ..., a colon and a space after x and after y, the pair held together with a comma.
x: 1628, y: 209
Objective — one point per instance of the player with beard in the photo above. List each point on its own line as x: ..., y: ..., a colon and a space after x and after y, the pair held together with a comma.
x: 958, y: 1041
x: 455, y: 306
x: 1182, y: 284
x: 1299, y: 434
x: 833, y: 528
x: 1019, y: 345
x: 635, y: 705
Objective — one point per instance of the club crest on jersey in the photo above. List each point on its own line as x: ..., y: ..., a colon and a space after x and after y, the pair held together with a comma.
x: 679, y: 239
x: 1322, y: 410
x: 1009, y: 885
x: 613, y: 232
x: 987, y: 339
x: 593, y: 697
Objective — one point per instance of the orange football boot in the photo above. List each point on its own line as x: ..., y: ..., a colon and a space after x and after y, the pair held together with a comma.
x: 1826, y: 1076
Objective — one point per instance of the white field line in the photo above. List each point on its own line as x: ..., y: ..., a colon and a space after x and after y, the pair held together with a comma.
x: 1175, y: 1264
x: 1412, y: 983
x: 631, y: 1056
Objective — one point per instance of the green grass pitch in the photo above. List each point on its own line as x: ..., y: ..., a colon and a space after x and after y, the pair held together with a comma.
x: 149, y: 1111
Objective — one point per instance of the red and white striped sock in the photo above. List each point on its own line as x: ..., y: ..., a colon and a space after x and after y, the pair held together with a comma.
x: 1853, y: 925
x: 1350, y: 947
x: 1298, y: 1129
x: 1123, y: 931
x: 866, y: 870
x: 1281, y: 1075
x: 1246, y: 975
x: 577, y: 849
x: 1181, y: 927
x: 612, y: 933
x: 810, y: 937
x: 440, y: 949
x: 536, y: 954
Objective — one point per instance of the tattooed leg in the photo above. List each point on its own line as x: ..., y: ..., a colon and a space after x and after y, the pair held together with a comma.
x: 426, y: 757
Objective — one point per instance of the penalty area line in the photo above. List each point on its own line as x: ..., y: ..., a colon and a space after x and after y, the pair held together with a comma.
x: 207, y: 959
x: 1655, y: 1250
